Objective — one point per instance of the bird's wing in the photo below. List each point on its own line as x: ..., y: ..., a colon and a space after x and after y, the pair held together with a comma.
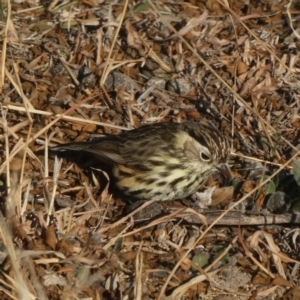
x: 104, y: 148
x: 131, y: 148
x: 147, y: 144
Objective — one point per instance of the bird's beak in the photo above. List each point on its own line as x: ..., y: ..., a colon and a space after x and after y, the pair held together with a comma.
x: 224, y: 170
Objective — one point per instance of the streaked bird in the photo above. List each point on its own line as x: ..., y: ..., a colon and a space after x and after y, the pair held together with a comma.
x: 162, y: 161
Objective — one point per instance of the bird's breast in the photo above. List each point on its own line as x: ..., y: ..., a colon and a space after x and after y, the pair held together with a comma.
x: 173, y: 180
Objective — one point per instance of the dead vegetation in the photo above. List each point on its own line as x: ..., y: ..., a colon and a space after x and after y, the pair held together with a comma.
x: 74, y: 69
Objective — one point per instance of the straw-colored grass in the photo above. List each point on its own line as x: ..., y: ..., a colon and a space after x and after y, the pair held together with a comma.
x: 70, y: 70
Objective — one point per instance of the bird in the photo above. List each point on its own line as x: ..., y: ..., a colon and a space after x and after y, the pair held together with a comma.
x: 161, y: 161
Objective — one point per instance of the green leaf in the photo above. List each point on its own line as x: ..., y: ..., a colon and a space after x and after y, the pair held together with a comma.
x: 237, y: 184
x: 270, y: 188
x: 201, y: 259
x: 219, y: 252
x: 141, y: 7
x: 296, y: 170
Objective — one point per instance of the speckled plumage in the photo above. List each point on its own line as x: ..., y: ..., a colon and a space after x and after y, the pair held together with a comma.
x: 162, y: 161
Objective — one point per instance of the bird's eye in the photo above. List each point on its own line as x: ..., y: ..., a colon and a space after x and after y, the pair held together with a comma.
x: 204, y: 156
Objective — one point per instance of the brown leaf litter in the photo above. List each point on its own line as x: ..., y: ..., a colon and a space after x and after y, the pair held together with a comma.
x: 71, y: 70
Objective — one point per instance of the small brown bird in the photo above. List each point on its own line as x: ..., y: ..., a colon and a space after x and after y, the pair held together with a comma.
x: 162, y: 161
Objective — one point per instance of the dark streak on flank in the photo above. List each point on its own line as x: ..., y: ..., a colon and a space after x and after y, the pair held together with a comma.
x: 150, y: 181
x: 175, y: 181
x: 139, y: 179
x: 190, y: 184
x: 138, y: 192
x: 123, y: 173
x: 162, y: 183
x: 159, y: 194
x: 156, y: 163
x: 140, y: 167
x: 164, y: 174
x: 172, y: 167
x: 125, y: 189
